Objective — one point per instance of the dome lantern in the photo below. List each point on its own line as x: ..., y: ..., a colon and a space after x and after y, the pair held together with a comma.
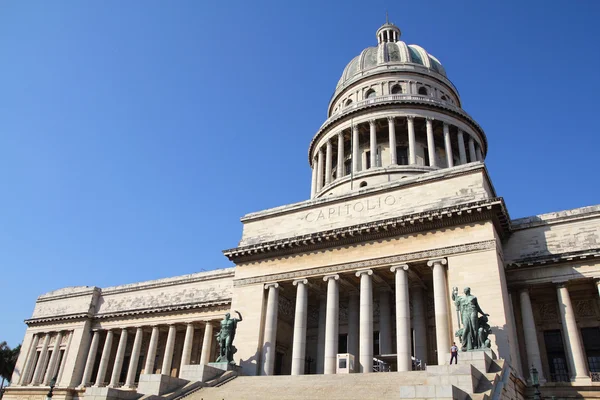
x: 388, y: 32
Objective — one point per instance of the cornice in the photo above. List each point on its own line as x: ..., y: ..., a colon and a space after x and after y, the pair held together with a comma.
x: 379, y: 262
x: 493, y: 209
x: 553, y: 259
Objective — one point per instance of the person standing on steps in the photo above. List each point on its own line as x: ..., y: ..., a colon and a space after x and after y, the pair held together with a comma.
x: 454, y: 354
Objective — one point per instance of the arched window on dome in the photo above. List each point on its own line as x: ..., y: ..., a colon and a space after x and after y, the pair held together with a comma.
x: 444, y: 98
x: 423, y: 91
x: 348, y: 102
x: 370, y: 94
x: 363, y: 184
x: 396, y: 89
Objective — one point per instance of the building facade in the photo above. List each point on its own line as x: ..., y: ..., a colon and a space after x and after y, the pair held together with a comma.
x: 401, y: 211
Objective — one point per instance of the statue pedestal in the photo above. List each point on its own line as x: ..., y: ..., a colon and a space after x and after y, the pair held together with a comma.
x: 223, y: 366
x: 480, y: 358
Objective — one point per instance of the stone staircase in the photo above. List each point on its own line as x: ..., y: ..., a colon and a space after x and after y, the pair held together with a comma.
x: 478, y: 376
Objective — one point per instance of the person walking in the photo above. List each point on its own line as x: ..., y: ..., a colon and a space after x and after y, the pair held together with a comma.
x: 454, y: 354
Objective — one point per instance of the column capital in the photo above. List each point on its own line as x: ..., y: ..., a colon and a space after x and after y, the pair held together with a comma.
x: 560, y: 284
x: 430, y: 119
x: 303, y: 281
x: 597, y: 281
x: 333, y: 276
x: 340, y: 134
x: 208, y: 323
x: 410, y: 117
x: 364, y: 271
x: 433, y: 262
x: 399, y: 267
x: 271, y: 285
x: 320, y: 151
x: 391, y: 119
x: 372, y: 122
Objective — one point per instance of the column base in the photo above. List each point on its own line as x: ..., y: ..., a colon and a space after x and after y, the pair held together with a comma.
x: 581, y: 380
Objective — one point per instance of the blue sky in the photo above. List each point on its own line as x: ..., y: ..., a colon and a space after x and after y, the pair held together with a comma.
x: 135, y: 134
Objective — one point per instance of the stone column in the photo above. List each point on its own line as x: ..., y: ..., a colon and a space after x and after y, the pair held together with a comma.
x: 116, y: 373
x: 331, y: 323
x: 419, y: 323
x: 39, y: 368
x: 328, y: 161
x: 299, y: 341
x: 392, y: 141
x: 313, y: 182
x: 321, y: 335
x: 462, y: 153
x: 572, y: 339
x: 440, y: 304
x: 168, y: 358
x: 355, y: 149
x: 448, y: 146
x: 430, y: 142
x: 51, y: 371
x: 188, y: 342
x: 403, y: 342
x: 410, y: 121
x: 531, y: 343
x: 270, y: 329
x: 340, y: 157
x: 135, y: 358
x: 366, y: 321
x: 478, y: 153
x: 353, y: 302
x: 25, y: 377
x: 206, y: 343
x: 472, y: 154
x: 320, y: 170
x: 91, y: 358
x: 373, y: 143
x: 385, y: 326
x: 151, y: 354
x: 598, y: 286
x: 104, y: 359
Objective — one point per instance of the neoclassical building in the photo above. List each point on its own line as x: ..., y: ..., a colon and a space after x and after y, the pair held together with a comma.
x: 401, y: 211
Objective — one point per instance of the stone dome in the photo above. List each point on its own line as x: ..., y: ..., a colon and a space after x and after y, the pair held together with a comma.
x: 390, y: 54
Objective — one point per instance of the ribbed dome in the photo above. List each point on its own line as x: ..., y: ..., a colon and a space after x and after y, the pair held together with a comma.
x: 390, y: 53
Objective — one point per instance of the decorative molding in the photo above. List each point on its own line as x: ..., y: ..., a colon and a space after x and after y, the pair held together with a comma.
x: 378, y: 262
x: 548, y: 312
x: 553, y: 258
x: 584, y: 308
x: 286, y: 308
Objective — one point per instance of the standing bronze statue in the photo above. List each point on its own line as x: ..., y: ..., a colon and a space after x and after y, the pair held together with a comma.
x: 225, y: 338
x: 475, y: 330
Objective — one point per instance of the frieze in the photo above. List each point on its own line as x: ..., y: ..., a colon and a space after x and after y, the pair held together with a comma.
x: 403, y: 258
x: 584, y: 308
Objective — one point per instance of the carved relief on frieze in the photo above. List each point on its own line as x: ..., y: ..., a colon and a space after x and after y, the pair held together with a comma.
x: 548, y: 312
x: 343, y: 313
x: 313, y: 315
x: 286, y: 308
x: 584, y: 308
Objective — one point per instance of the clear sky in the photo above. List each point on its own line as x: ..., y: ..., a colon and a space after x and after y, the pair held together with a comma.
x: 135, y: 134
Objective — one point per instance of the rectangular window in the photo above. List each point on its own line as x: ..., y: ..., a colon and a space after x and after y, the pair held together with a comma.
x: 376, y: 349
x: 426, y: 156
x: 559, y: 371
x: 368, y: 159
x: 343, y: 343
x: 402, y: 155
x: 348, y: 166
x: 377, y: 158
x: 591, y: 344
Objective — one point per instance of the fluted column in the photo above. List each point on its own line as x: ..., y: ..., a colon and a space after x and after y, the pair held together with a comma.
x: 320, y: 170
x: 366, y: 321
x: 440, y: 303
x: 101, y: 376
x: 462, y: 153
x: 151, y: 354
x: 51, y: 371
x: 410, y: 123
x: 355, y: 149
x: 419, y: 323
x: 532, y: 347
x: 321, y: 335
x: 403, y: 342
x: 328, y: 161
x: 299, y: 341
x: 331, y: 323
x: 188, y: 342
x: 313, y: 182
x: 135, y: 358
x: 373, y: 143
x: 118, y: 366
x: 430, y: 142
x: 168, y: 357
x: 472, y: 154
x: 27, y: 372
x: 91, y: 358
x: 448, y: 146
x: 353, y: 302
x: 206, y: 343
x: 37, y: 375
x: 385, y: 325
x: 340, y: 171
x: 573, y: 343
x: 270, y: 328
x: 392, y: 141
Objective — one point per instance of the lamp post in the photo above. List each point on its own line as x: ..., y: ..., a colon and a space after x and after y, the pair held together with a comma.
x: 535, y: 382
x: 52, y: 384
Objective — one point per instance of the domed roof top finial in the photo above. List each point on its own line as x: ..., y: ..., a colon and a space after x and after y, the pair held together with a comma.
x: 388, y: 32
